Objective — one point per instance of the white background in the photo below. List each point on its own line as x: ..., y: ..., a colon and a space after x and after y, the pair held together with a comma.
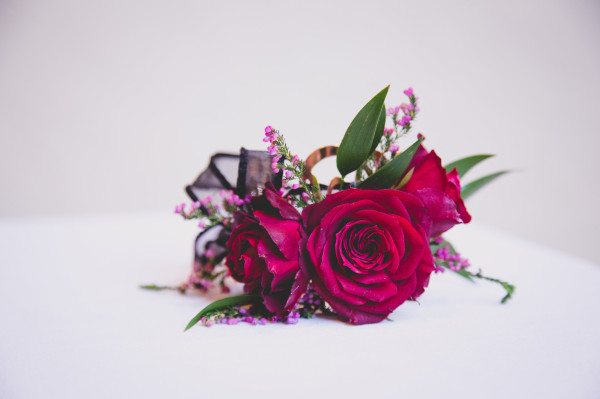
x: 113, y: 106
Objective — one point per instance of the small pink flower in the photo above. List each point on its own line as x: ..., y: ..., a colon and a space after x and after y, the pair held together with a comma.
x: 408, y: 92
x: 268, y: 129
x: 209, y: 253
x: 405, y: 120
x: 394, y: 149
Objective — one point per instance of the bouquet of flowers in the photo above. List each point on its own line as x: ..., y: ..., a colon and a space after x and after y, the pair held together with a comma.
x: 356, y: 248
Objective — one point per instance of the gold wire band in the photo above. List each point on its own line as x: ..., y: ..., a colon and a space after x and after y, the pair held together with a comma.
x: 322, y: 153
x: 315, y: 157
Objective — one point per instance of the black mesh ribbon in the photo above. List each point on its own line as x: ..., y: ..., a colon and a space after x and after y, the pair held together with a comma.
x: 244, y: 174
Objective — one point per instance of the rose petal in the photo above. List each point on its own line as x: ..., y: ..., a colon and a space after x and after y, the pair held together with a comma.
x: 284, y: 233
x: 328, y: 276
x: 373, y: 292
x: 299, y: 287
x: 429, y: 173
x: 441, y: 210
x: 453, y: 190
x: 405, y: 290
x: 286, y: 210
x: 415, y: 244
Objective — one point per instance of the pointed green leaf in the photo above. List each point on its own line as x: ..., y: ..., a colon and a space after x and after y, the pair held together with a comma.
x: 405, y: 179
x: 389, y: 173
x: 510, y: 289
x: 474, y: 186
x: 465, y: 164
x: 237, y: 300
x: 379, y: 131
x: 358, y: 140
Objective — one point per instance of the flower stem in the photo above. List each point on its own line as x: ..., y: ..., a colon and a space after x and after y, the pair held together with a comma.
x: 509, y: 288
x: 159, y: 287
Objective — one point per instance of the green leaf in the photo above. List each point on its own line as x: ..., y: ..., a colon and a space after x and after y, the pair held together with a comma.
x: 358, y: 140
x: 379, y: 131
x: 237, y: 300
x: 465, y: 164
x: 389, y: 173
x: 470, y: 188
x: 405, y: 179
x: 510, y: 289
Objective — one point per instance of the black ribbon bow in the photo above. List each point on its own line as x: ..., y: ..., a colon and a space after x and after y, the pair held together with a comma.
x: 250, y: 171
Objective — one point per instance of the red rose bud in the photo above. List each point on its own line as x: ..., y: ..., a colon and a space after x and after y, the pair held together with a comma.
x: 263, y: 252
x: 366, y: 252
x: 439, y: 191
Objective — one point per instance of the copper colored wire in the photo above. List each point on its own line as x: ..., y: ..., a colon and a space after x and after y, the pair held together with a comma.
x: 315, y: 157
x: 322, y: 153
x: 336, y: 181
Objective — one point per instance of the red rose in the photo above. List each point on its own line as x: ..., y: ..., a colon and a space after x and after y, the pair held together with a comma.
x: 262, y: 252
x: 439, y: 191
x: 366, y: 252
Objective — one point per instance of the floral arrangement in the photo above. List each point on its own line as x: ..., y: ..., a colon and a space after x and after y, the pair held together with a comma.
x: 356, y: 248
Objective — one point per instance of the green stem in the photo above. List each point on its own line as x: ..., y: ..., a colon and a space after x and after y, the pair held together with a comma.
x: 509, y: 288
x: 159, y: 287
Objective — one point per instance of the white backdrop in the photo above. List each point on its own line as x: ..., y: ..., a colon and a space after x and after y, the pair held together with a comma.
x: 113, y: 106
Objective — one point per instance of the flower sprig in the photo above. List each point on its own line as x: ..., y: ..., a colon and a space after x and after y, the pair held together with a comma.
x: 402, y: 123
x: 293, y: 170
x: 309, y: 305
x: 447, y: 258
x: 242, y: 314
x: 206, y: 276
x: 402, y: 117
x: 211, y: 213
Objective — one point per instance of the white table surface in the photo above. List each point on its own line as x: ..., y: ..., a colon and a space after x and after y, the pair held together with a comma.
x: 74, y: 324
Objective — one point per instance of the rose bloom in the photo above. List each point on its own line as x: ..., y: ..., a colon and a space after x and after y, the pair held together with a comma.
x: 439, y: 191
x: 366, y: 252
x: 263, y: 252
